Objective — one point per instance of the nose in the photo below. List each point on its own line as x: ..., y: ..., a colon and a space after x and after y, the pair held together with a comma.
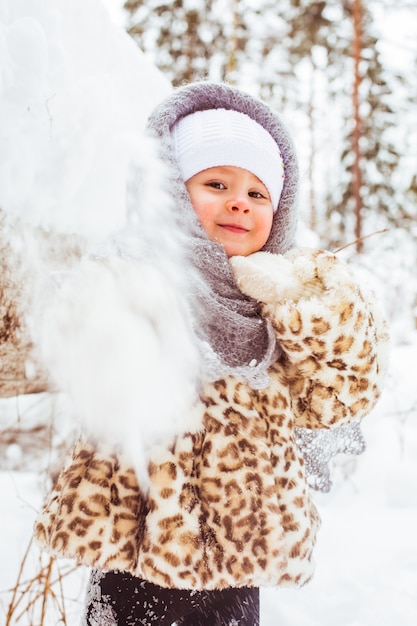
x: 238, y: 203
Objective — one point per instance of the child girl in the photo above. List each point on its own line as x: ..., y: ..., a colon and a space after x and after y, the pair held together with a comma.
x: 286, y: 340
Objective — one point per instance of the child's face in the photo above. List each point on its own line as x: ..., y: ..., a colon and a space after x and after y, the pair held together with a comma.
x: 234, y: 208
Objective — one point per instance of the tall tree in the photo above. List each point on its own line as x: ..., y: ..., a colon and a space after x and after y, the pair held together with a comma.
x: 188, y: 40
x: 299, y: 56
x: 334, y: 43
x: 357, y: 17
x: 219, y: 39
x: 370, y: 157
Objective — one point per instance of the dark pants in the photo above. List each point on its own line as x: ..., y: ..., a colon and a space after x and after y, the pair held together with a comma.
x: 116, y: 598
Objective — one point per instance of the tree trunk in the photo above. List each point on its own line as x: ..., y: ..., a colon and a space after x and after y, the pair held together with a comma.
x: 311, y: 169
x: 230, y: 69
x: 357, y: 172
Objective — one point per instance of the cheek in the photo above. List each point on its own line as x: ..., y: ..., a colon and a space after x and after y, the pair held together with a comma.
x: 199, y: 210
x: 265, y: 229
x: 204, y: 214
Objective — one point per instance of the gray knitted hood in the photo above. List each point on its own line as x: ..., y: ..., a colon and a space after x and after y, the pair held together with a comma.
x: 201, y: 96
x: 227, y: 321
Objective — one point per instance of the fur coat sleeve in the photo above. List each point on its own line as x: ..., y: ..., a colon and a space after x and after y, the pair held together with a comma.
x: 333, y: 335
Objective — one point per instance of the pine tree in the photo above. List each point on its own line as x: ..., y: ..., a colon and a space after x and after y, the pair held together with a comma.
x: 186, y: 40
x: 298, y: 56
x: 219, y: 39
x: 352, y: 121
x: 369, y: 157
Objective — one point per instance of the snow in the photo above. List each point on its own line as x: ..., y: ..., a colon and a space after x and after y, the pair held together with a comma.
x: 72, y: 113
x: 74, y: 97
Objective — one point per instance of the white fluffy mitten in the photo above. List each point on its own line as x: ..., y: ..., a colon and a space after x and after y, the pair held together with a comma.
x: 299, y: 274
x: 117, y: 341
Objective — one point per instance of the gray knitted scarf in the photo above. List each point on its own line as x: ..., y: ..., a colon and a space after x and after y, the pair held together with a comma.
x: 237, y: 339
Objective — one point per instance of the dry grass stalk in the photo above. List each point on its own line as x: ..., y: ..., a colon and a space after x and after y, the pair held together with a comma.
x: 360, y: 239
x: 36, y: 598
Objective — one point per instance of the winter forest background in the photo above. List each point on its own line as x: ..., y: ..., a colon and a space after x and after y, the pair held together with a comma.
x: 75, y: 92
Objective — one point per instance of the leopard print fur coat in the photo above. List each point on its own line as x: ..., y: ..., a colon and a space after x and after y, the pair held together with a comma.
x: 228, y: 504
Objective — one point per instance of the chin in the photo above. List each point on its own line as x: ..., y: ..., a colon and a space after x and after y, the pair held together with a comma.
x: 237, y: 251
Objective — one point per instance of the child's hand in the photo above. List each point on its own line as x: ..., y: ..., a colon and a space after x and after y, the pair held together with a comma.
x: 264, y: 276
x: 331, y: 330
x: 299, y: 274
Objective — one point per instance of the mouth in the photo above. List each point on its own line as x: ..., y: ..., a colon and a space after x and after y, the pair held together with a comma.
x: 234, y: 228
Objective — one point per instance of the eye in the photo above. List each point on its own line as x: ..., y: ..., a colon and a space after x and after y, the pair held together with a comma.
x: 257, y: 194
x: 216, y: 184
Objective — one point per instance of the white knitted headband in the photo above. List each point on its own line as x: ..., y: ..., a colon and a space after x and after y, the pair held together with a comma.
x: 217, y: 137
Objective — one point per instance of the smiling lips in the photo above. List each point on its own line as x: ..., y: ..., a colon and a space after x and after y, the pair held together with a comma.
x: 234, y: 228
